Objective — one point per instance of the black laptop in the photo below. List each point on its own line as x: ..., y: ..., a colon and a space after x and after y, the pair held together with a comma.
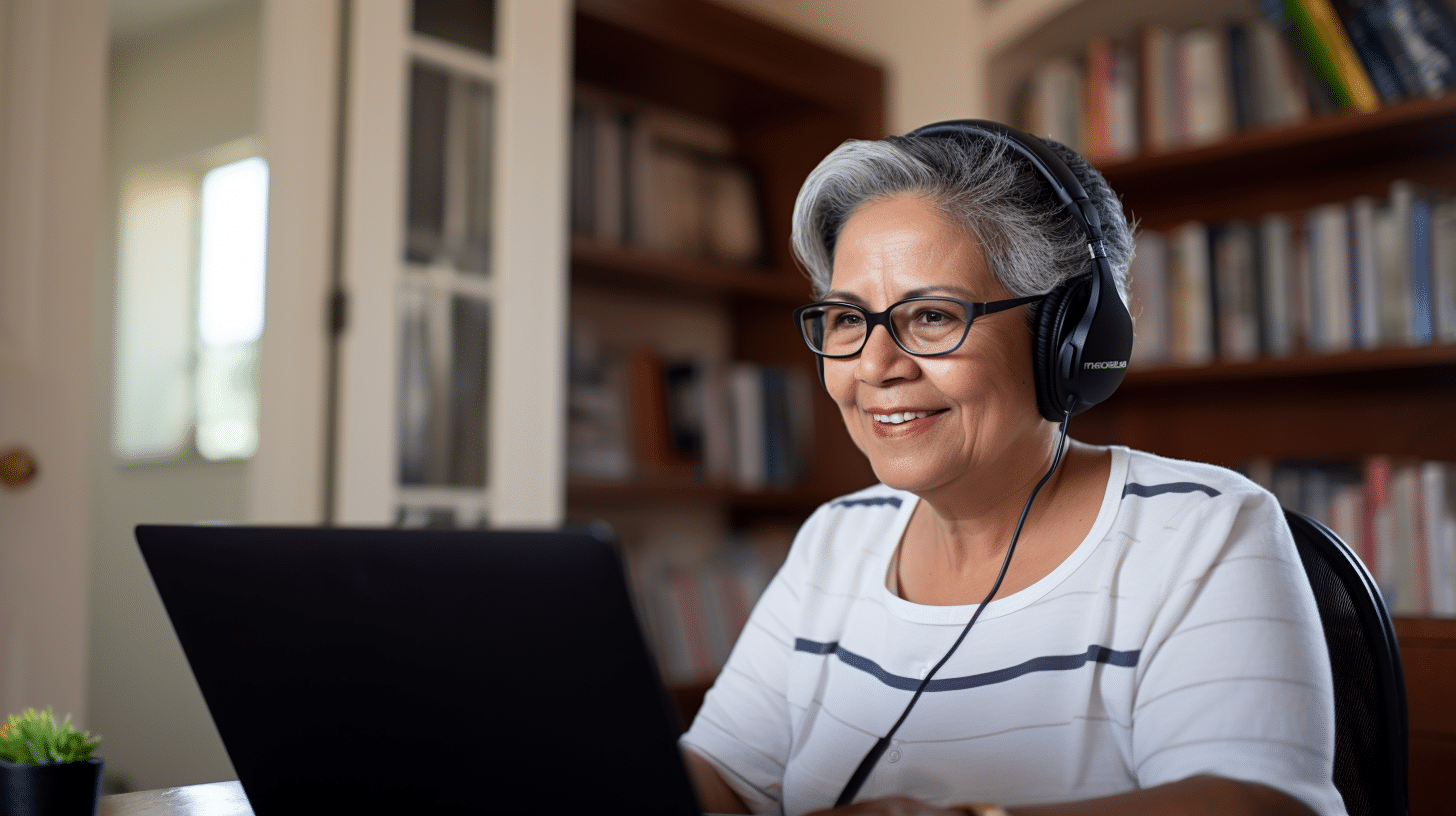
x: 422, y: 671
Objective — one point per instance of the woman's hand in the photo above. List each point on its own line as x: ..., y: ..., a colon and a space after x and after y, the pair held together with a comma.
x: 896, y: 806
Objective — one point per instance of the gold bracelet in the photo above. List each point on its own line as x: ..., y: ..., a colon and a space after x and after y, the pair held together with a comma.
x: 983, y: 809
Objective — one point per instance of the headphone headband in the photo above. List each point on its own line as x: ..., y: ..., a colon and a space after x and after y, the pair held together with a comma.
x: 1081, y: 364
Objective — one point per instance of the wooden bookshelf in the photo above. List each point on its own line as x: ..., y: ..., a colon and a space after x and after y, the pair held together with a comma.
x: 1348, y: 405
x: 1428, y: 655
x: 787, y: 102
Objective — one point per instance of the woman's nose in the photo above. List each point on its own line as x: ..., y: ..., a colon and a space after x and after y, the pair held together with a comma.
x: 882, y: 359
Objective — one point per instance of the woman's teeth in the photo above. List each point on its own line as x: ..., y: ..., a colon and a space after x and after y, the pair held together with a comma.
x: 896, y: 419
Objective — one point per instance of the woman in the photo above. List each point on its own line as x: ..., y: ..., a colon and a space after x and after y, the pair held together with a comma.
x: 1152, y: 647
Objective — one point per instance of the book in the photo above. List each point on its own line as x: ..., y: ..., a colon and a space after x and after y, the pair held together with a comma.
x: 1055, y: 102
x: 1364, y: 272
x: 1241, y: 78
x: 1097, y: 100
x: 1148, y: 299
x: 1158, y: 111
x: 1393, y: 233
x: 1379, y: 526
x: 1329, y: 284
x: 734, y: 232
x: 1274, y: 261
x: 1190, y: 296
x: 1126, y: 133
x: 1205, y: 104
x: 1424, y: 30
x: 1237, y: 289
x: 1438, y: 480
x: 1363, y: 21
x: 1422, y: 322
x: 1397, y: 515
x: 1443, y: 268
x: 745, y: 391
x: 1277, y: 87
x: 598, y: 429
x: 1329, y: 51
x: 656, y: 449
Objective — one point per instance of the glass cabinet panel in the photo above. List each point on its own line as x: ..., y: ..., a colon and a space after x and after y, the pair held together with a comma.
x: 445, y: 296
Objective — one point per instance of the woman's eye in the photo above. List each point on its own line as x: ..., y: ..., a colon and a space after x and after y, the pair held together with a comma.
x: 848, y: 319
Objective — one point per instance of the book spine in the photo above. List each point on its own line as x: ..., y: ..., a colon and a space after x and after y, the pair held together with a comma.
x: 1329, y: 51
x: 1422, y: 325
x: 1156, y: 78
x: 1364, y: 263
x: 1359, y: 18
x: 1443, y: 268
x: 1425, y: 31
x: 1097, y: 100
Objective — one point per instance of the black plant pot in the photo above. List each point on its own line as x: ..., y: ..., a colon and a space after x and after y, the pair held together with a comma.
x: 73, y: 789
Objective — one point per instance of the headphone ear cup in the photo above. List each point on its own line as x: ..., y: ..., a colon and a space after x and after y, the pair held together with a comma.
x: 1059, y: 314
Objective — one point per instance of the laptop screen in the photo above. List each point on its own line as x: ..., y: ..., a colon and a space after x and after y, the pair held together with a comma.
x: 411, y: 670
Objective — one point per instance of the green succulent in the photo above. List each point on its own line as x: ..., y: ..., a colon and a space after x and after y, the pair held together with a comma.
x: 37, y: 738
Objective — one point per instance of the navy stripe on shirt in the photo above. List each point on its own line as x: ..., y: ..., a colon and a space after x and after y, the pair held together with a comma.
x: 1094, y: 654
x: 876, y: 501
x: 1148, y: 491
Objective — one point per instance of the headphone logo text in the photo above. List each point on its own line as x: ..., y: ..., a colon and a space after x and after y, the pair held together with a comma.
x: 1106, y: 364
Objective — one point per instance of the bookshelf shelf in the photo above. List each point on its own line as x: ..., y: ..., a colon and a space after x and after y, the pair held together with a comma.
x: 1416, y: 364
x: 631, y: 268
x: 1324, y: 159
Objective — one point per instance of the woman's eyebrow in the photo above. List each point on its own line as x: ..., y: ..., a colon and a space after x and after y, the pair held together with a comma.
x: 923, y: 291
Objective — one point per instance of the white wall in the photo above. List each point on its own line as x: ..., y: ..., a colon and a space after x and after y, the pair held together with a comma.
x: 930, y: 49
x: 175, y: 92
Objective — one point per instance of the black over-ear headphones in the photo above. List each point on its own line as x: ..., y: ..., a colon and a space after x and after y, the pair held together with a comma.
x: 1083, y: 335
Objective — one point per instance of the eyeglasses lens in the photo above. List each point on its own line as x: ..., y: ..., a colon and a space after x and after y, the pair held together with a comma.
x: 922, y: 326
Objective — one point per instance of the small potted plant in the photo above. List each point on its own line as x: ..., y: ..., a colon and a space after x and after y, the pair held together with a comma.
x: 46, y: 767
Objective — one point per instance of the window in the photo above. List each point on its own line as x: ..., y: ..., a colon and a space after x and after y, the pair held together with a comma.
x: 190, y: 287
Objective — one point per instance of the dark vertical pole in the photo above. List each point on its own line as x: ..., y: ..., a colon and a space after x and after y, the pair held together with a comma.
x: 337, y: 307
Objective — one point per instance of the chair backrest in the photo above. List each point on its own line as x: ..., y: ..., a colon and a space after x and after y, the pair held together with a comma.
x: 1370, y: 712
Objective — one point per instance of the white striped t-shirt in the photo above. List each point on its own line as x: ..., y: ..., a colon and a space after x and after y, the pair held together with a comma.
x: 1179, y: 638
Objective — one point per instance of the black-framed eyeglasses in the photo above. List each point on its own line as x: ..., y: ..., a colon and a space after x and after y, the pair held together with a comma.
x: 922, y: 326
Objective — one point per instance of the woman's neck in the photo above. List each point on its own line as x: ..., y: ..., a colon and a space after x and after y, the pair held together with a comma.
x: 953, y: 549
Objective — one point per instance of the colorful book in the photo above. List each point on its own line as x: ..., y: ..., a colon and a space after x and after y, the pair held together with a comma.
x: 1329, y: 51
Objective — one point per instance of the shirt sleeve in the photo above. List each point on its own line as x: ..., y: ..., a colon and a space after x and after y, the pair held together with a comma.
x: 743, y: 727
x: 1236, y: 676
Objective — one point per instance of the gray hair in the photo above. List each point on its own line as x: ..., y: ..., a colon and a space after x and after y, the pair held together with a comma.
x: 1030, y: 242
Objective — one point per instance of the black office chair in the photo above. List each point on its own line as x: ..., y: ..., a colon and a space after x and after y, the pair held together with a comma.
x: 1370, y: 714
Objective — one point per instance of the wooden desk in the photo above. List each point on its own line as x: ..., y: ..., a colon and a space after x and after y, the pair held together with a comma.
x: 212, y: 799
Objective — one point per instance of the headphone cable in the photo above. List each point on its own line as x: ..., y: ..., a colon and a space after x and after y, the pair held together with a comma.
x: 857, y: 779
